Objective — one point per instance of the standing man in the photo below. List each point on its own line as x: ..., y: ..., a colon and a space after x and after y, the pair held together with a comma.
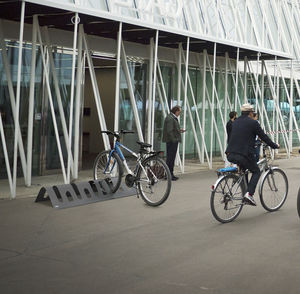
x: 232, y: 118
x: 172, y: 136
x: 241, y: 146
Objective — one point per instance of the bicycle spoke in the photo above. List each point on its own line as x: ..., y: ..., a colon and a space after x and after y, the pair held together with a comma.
x: 226, y: 199
x: 273, y: 190
x: 154, y: 181
x: 108, y: 168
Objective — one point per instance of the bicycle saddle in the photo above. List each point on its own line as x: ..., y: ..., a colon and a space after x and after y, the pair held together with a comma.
x: 143, y: 144
x: 228, y: 169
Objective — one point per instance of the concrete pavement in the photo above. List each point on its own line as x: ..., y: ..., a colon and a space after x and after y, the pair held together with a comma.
x: 124, y: 246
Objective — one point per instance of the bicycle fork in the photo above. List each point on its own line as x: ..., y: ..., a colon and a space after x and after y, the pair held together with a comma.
x: 271, y: 183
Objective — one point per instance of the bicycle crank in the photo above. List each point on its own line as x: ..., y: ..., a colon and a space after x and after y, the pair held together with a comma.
x: 130, y: 180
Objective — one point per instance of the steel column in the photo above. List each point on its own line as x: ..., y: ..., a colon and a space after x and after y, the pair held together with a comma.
x: 154, y: 89
x: 185, y: 100
x: 150, y: 88
x: 18, y: 100
x: 204, y: 104
x: 31, y: 103
x: 78, y: 100
x: 291, y: 111
x: 226, y: 96
x: 236, y: 78
x: 213, y: 104
x: 117, y: 91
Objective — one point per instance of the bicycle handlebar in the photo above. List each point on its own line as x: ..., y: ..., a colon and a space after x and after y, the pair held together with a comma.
x: 265, y: 147
x: 117, y: 133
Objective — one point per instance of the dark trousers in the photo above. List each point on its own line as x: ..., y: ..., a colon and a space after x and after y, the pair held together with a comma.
x: 247, y: 163
x: 171, y: 154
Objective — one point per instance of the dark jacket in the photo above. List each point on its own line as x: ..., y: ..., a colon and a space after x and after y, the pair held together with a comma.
x: 171, y: 131
x: 243, y: 134
x: 228, y: 129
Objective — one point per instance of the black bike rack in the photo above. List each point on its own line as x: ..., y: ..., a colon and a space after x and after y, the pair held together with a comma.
x: 74, y: 194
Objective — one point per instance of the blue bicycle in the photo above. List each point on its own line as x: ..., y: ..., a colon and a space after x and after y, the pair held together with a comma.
x: 151, y: 175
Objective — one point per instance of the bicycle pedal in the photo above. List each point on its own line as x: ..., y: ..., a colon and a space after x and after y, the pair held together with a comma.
x: 247, y: 202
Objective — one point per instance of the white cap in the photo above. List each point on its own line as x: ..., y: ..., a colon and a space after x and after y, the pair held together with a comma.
x: 247, y: 107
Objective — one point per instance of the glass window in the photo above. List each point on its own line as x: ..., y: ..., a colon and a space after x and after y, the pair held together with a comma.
x: 138, y: 73
x: 6, y: 109
x: 63, y: 67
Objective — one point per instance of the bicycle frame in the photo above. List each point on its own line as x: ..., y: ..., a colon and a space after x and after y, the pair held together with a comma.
x: 242, y: 177
x: 117, y: 148
x: 262, y: 164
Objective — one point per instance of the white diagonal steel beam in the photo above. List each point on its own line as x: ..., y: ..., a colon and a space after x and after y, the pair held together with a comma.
x: 51, y: 104
x: 69, y: 146
x: 78, y: 101
x: 96, y: 92
x: 57, y: 89
x: 131, y: 94
x: 12, y: 98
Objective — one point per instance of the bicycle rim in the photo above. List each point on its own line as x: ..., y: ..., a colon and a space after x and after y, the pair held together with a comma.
x: 227, y: 199
x: 108, y: 170
x: 154, y: 181
x: 298, y: 202
x: 274, y: 190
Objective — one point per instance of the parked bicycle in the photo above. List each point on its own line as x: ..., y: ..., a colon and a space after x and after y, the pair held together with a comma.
x: 227, y: 196
x: 151, y: 176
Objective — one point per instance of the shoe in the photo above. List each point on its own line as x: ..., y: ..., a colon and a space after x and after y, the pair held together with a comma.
x: 249, y: 199
x: 174, y: 178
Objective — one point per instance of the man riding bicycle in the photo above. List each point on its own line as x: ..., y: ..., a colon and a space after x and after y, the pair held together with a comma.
x: 241, y: 146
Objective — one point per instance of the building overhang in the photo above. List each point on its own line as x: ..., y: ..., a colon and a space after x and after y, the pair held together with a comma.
x: 104, y: 24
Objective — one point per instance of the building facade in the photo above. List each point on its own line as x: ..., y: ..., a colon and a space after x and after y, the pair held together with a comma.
x: 71, y: 68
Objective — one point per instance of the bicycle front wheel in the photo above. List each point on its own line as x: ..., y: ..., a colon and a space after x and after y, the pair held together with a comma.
x: 226, y: 201
x: 273, y: 189
x: 298, y: 202
x: 109, y: 169
x: 153, y: 181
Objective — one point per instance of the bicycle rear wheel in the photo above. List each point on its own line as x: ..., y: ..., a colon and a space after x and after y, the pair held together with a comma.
x: 108, y: 169
x: 154, y: 181
x: 226, y: 201
x: 273, y: 189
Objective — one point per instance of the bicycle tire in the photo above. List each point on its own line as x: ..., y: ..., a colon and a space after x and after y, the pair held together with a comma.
x: 223, y: 202
x: 153, y: 181
x: 114, y: 176
x: 298, y: 202
x: 274, y: 179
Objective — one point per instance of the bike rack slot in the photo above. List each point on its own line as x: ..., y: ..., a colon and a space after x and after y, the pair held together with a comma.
x: 74, y: 194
